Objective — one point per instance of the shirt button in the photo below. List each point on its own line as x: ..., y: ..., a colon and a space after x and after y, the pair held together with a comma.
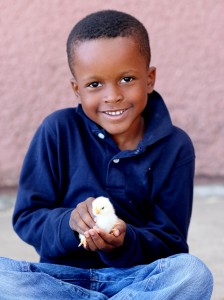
x: 101, y: 135
x: 116, y: 160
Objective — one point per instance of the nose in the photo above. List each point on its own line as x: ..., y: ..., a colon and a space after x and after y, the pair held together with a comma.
x: 113, y: 95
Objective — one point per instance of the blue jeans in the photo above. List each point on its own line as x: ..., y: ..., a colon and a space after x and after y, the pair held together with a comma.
x: 177, y: 277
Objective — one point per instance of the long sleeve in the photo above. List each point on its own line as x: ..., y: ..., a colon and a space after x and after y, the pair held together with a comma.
x: 39, y: 216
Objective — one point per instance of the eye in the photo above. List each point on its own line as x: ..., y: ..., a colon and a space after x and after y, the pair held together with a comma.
x: 127, y: 79
x: 102, y: 207
x: 94, y: 84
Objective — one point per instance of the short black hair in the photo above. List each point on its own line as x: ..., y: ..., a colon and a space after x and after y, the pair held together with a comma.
x: 108, y: 24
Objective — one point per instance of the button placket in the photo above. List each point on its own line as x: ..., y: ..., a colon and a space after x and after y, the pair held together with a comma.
x: 115, y: 179
x: 116, y: 160
x: 101, y: 135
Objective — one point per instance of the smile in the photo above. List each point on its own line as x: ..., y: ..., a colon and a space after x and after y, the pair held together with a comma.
x: 115, y: 113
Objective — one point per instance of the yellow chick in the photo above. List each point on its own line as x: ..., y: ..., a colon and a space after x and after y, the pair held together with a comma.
x: 105, y: 216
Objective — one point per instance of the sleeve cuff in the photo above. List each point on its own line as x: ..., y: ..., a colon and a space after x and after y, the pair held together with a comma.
x: 68, y: 238
x: 121, y: 257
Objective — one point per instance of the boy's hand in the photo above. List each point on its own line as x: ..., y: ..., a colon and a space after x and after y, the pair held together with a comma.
x: 97, y: 239
x: 82, y: 218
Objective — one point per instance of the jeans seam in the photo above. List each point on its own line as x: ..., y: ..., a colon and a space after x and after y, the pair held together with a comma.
x: 152, y: 279
x: 162, y: 264
x: 25, y: 266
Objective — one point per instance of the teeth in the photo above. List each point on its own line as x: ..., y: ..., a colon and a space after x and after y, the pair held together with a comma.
x: 115, y: 113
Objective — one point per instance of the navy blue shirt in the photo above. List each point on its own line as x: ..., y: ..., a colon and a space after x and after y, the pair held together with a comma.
x: 71, y: 158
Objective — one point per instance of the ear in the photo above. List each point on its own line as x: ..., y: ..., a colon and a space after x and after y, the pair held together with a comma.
x: 151, y: 79
x: 75, y: 87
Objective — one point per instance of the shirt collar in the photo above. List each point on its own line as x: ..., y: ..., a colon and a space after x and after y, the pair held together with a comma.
x: 157, y: 119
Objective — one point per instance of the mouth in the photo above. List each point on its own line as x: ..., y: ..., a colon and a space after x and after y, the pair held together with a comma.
x: 115, y: 113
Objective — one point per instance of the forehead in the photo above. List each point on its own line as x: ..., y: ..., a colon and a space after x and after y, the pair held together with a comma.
x: 119, y: 50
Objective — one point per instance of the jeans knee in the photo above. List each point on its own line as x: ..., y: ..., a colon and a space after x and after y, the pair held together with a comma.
x: 7, y: 264
x: 196, y: 272
x: 4, y: 263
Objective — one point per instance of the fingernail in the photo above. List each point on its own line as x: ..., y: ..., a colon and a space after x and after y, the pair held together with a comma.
x: 96, y: 228
x: 116, y: 232
x: 91, y: 233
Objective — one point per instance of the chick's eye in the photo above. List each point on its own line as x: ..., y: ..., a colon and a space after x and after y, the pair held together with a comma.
x: 94, y: 84
x: 127, y: 79
x: 102, y: 207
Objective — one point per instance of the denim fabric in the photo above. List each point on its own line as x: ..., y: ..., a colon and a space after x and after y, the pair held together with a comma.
x: 177, y: 277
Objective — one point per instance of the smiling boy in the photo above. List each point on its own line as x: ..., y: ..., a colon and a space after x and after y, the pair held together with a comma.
x: 113, y: 93
x: 119, y: 142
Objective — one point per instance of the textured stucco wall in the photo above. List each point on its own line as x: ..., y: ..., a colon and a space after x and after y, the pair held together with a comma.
x: 187, y: 49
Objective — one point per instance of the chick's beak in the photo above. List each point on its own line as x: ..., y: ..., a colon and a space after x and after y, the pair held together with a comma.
x: 97, y: 211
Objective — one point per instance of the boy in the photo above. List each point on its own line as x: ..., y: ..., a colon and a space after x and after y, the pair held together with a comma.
x: 118, y: 143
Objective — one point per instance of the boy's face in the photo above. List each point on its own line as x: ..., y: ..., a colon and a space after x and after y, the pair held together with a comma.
x: 112, y: 81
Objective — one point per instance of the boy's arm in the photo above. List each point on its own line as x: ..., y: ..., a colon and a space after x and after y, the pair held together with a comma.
x: 39, y: 216
x: 166, y: 232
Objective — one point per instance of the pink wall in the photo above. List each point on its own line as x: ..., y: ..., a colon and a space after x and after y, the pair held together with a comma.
x: 187, y: 49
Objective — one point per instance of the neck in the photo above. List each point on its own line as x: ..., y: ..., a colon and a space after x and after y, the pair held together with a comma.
x: 129, y: 141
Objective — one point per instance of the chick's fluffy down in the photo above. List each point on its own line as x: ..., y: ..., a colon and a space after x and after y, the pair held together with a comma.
x: 105, y: 216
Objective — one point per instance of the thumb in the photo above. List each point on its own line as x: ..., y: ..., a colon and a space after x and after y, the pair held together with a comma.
x: 116, y: 232
x: 119, y: 228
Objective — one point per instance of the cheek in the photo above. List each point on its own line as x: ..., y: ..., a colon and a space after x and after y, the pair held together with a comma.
x: 139, y: 93
x: 90, y: 106
x: 87, y: 99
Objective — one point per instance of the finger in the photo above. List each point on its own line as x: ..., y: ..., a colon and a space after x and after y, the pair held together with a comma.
x: 76, y: 223
x: 96, y: 242
x: 106, y: 238
x: 89, y: 202
x: 88, y: 218
x: 90, y: 240
x: 111, y: 240
x: 119, y: 228
x: 115, y: 232
x: 84, y: 210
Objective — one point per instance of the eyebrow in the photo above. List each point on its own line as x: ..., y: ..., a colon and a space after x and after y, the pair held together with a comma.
x: 90, y: 79
x: 120, y: 74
